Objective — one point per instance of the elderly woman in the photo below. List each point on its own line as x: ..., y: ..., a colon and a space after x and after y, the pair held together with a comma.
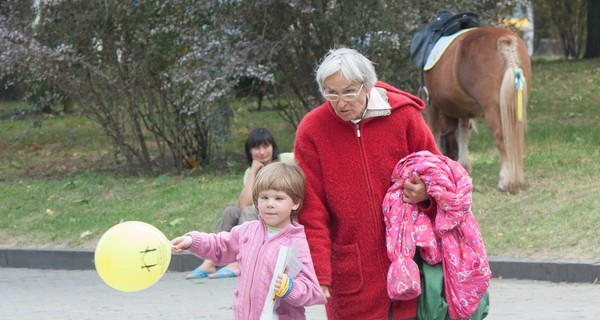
x: 348, y: 148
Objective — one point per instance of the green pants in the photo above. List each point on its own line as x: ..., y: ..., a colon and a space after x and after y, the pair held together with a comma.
x: 432, y: 302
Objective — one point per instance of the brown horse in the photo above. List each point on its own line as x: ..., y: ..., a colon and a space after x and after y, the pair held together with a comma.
x: 477, y: 76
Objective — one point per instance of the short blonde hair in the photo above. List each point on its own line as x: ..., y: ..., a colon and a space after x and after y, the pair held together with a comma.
x: 281, y: 177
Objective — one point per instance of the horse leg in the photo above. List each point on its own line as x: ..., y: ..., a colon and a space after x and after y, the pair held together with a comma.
x: 448, y: 143
x: 462, y: 138
x: 494, y: 122
x: 432, y: 118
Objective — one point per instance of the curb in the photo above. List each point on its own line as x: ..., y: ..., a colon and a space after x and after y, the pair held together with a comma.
x: 545, y: 270
x: 509, y: 268
x: 75, y: 259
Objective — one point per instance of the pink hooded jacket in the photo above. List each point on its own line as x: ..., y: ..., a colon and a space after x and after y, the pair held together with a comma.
x: 452, y: 236
x: 248, y: 244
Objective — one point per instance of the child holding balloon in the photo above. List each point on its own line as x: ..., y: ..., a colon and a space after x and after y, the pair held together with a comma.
x: 277, y: 193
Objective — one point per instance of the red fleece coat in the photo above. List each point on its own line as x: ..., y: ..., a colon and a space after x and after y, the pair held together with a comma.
x: 347, y: 179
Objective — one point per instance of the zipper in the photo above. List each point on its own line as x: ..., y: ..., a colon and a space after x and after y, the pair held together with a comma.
x: 369, y: 186
x: 358, y: 121
x: 357, y: 129
x: 257, y: 253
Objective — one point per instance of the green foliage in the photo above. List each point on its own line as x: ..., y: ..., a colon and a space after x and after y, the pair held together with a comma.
x: 76, y: 212
x: 557, y: 216
x: 291, y: 43
x: 563, y: 20
x: 569, y: 17
x: 158, y: 76
x: 59, y: 187
x: 143, y: 71
x: 156, y: 79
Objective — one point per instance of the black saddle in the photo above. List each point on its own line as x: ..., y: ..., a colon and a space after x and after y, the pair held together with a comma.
x: 444, y: 24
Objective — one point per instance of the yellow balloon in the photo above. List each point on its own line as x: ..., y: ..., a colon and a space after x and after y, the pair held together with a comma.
x: 132, y: 256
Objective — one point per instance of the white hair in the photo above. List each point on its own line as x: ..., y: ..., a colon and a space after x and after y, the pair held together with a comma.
x: 353, y: 66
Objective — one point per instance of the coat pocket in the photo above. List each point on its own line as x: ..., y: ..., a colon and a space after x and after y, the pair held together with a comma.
x: 347, y: 276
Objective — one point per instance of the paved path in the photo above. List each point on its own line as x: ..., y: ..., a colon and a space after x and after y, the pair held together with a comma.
x: 33, y: 294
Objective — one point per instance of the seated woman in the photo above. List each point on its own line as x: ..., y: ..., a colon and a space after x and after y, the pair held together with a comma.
x: 261, y: 149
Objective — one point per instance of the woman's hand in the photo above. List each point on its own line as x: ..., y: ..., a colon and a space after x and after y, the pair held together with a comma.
x: 415, y: 191
x: 180, y: 244
x: 255, y: 166
x: 245, y: 197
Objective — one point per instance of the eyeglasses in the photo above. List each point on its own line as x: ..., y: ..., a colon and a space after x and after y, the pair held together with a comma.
x: 345, y: 96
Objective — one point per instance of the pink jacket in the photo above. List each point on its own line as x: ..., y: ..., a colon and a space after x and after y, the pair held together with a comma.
x: 452, y: 236
x: 247, y: 243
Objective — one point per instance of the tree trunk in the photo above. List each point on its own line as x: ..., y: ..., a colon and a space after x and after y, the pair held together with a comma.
x: 593, y: 30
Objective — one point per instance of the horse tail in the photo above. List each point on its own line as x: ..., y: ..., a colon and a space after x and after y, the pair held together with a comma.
x: 513, y: 111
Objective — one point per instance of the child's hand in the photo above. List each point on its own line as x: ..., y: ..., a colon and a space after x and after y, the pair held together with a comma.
x: 283, y: 285
x: 180, y: 244
x: 279, y: 281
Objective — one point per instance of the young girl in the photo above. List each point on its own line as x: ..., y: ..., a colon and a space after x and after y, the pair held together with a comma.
x: 260, y: 149
x: 277, y: 193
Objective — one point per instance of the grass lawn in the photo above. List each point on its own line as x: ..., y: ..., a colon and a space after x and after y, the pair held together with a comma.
x: 58, y: 187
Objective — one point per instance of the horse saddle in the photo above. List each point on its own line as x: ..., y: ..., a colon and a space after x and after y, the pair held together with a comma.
x: 439, y: 48
x: 444, y: 24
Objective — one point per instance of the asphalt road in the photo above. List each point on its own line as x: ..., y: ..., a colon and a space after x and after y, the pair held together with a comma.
x: 34, y: 294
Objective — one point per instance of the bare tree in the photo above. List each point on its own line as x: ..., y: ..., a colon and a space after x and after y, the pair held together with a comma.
x: 158, y: 75
x: 145, y: 71
x: 289, y: 38
x: 592, y: 49
x: 569, y: 17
